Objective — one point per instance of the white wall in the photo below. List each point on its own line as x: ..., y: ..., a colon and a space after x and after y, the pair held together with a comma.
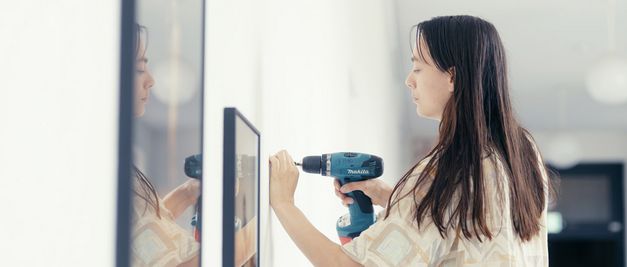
x: 58, y: 133
x: 314, y: 77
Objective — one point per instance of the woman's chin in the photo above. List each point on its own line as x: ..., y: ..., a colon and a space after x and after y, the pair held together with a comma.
x: 419, y: 113
x: 139, y: 113
x: 426, y: 116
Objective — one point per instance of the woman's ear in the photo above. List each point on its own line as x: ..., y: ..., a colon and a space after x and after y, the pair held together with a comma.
x: 451, y: 72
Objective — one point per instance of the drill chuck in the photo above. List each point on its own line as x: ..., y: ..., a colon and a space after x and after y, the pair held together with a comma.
x: 312, y: 164
x: 193, y: 166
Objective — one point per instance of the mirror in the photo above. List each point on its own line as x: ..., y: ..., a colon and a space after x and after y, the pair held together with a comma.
x: 167, y: 134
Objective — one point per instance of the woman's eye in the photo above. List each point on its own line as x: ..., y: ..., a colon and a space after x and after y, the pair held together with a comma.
x: 140, y: 71
x: 416, y: 71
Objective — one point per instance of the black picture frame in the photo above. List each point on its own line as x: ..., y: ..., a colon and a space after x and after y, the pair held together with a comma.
x: 125, y: 133
x: 231, y: 115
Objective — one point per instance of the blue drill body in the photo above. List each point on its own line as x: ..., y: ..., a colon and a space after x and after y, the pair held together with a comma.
x: 349, y: 167
x: 193, y: 169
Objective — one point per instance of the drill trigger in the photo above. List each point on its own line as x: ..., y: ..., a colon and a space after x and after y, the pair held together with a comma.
x: 364, y: 202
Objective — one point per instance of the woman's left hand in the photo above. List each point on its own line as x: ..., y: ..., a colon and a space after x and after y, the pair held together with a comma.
x: 283, y: 179
x: 183, y: 196
x: 193, y: 188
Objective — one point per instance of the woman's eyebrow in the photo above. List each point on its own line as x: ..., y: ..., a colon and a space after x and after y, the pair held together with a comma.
x: 143, y: 59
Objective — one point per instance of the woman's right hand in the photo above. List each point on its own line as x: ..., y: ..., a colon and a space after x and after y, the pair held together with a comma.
x: 378, y: 191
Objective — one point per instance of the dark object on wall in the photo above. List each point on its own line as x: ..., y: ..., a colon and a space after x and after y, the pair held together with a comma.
x: 241, y: 185
x: 588, y: 220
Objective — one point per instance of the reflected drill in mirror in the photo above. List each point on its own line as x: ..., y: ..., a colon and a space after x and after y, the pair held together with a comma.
x: 193, y: 169
x: 157, y: 240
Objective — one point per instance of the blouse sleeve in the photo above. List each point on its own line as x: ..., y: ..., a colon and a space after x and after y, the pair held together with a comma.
x: 161, y: 242
x: 396, y: 240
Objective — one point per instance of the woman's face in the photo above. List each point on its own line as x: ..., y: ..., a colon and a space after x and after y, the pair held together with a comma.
x: 143, y: 82
x: 430, y: 88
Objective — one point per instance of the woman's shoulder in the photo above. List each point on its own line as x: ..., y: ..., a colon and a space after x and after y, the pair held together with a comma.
x: 491, y: 165
x: 420, y: 166
x: 411, y: 191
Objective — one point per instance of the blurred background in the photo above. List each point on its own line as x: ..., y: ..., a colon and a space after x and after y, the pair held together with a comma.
x: 314, y: 77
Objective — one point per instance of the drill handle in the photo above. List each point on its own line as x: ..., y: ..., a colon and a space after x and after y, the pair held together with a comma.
x: 361, y: 202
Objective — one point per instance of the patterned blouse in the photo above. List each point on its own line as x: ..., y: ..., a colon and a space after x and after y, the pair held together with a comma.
x: 396, y: 241
x: 158, y: 242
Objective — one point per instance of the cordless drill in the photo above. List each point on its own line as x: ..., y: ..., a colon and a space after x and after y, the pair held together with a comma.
x: 193, y: 169
x: 349, y: 167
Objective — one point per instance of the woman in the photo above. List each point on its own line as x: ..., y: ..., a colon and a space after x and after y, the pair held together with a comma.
x: 478, y: 198
x: 156, y: 238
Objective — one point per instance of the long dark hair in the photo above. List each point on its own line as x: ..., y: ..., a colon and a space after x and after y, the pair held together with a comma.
x: 141, y: 34
x: 478, y: 117
x: 147, y: 190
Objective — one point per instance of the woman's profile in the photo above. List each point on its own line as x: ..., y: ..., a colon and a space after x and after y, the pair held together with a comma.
x: 478, y: 198
x: 156, y: 238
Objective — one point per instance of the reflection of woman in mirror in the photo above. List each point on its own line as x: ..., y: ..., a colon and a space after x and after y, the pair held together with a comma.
x: 245, y: 235
x: 156, y: 238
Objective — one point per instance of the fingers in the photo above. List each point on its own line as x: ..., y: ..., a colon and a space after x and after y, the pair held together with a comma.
x: 274, y: 162
x: 285, y: 160
x: 194, y: 182
x: 193, y: 187
x: 289, y: 159
x: 283, y: 178
x: 282, y: 162
x: 354, y: 186
x: 346, y: 200
x: 336, y: 187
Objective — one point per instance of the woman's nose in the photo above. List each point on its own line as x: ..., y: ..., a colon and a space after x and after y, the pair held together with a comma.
x: 150, y: 82
x: 408, y: 81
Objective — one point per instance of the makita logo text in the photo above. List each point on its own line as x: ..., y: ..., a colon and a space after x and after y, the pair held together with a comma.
x: 358, y: 171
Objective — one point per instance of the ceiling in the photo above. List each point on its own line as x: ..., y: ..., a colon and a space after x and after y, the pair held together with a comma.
x: 550, y: 44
